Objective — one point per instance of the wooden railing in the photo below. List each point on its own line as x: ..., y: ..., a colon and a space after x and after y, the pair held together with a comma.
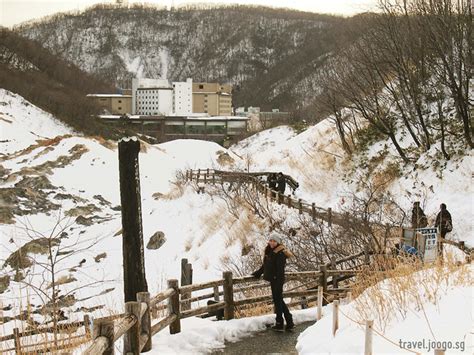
x: 136, y: 326
x: 213, y: 176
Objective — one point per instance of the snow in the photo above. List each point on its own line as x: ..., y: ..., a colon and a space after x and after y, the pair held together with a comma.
x: 22, y: 123
x: 203, y: 335
x: 314, y: 158
x: 449, y: 319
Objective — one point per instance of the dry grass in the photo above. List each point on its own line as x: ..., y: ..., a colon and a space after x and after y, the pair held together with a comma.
x: 409, y: 286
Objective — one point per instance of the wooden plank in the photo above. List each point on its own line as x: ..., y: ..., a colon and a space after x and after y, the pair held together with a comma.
x: 202, y: 310
x: 99, y: 346
x: 163, y: 323
x: 253, y: 300
x: 63, y: 326
x: 201, y: 286
x: 161, y: 296
x: 123, y: 325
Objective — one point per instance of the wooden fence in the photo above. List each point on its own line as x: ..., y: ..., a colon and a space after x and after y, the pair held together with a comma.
x: 255, y: 180
x: 139, y: 322
x: 136, y: 326
x: 212, y: 176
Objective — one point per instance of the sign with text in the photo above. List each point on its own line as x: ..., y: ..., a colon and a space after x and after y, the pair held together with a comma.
x: 428, y: 243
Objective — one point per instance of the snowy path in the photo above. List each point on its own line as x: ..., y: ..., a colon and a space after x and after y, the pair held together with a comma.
x: 266, y: 342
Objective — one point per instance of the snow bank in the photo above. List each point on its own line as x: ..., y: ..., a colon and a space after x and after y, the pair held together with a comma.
x: 449, y: 319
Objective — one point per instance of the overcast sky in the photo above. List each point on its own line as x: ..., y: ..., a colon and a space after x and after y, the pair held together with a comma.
x: 16, y: 11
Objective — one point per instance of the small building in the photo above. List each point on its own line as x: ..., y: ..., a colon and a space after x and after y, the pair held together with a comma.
x: 212, y: 98
x: 115, y: 104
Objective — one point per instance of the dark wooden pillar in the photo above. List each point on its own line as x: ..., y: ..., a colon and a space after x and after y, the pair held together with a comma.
x: 132, y: 243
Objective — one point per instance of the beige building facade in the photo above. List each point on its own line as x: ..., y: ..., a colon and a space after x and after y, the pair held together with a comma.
x: 212, y: 98
x: 114, y: 104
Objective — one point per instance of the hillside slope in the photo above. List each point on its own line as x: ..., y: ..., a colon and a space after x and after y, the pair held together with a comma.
x: 271, y: 56
x: 52, y: 83
x: 75, y: 180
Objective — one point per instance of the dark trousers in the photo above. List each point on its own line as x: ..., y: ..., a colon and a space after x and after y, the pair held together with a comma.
x: 280, y: 306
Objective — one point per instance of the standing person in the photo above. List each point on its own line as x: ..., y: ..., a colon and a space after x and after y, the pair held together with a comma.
x: 272, y: 181
x: 281, y: 183
x: 418, y: 217
x: 273, y: 270
x: 444, y: 223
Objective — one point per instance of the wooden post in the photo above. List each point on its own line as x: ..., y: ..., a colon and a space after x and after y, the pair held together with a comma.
x: 366, y: 254
x: 16, y: 334
x: 187, y: 178
x: 348, y: 297
x: 280, y: 198
x: 313, y: 211
x: 228, y: 295
x: 335, y: 317
x: 144, y: 297
x: 320, y: 303
x: 131, y: 339
x: 173, y: 307
x: 186, y: 279
x: 105, y: 328
x: 214, y: 178
x: 132, y: 240
x: 300, y: 206
x: 289, y: 201
x: 87, y: 322
x: 198, y: 175
x: 329, y: 216
x: 334, y: 277
x: 368, y: 337
x: 216, y: 293
x: 205, y: 178
x: 323, y: 281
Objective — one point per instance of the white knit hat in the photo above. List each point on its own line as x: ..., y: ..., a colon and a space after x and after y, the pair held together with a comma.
x: 277, y: 237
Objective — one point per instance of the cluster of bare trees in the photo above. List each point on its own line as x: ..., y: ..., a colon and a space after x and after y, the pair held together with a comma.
x: 374, y: 226
x: 410, y: 70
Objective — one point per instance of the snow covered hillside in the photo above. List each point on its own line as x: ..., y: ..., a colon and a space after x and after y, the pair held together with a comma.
x: 49, y: 174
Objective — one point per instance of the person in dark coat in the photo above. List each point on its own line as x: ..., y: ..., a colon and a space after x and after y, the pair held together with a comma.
x: 273, y: 270
x: 444, y: 223
x: 272, y: 181
x: 281, y: 183
x: 418, y: 217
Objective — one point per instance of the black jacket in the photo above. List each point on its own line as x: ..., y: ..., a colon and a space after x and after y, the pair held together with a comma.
x: 274, y: 262
x: 418, y: 218
x: 444, y: 221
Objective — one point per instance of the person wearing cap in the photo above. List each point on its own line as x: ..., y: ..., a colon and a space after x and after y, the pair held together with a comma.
x: 273, y: 270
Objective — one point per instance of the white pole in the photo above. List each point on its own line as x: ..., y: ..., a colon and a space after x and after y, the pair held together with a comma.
x: 335, y: 317
x: 320, y: 303
x: 368, y: 337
